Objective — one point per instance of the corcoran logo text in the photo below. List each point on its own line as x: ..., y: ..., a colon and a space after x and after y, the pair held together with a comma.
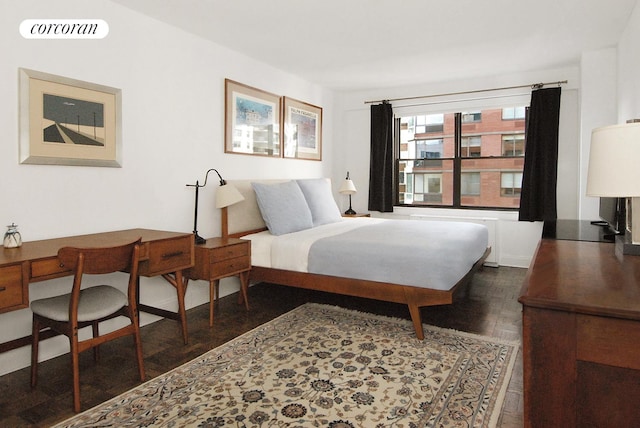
x: 64, y: 29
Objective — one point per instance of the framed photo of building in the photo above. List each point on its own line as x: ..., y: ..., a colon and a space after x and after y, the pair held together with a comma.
x: 302, y: 130
x: 252, y: 121
x: 68, y: 122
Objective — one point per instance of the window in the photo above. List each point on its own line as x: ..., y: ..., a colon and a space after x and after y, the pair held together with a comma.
x: 511, y: 113
x: 510, y: 183
x: 471, y: 146
x: 470, y: 184
x: 470, y: 117
x: 468, y: 159
x: 513, y: 145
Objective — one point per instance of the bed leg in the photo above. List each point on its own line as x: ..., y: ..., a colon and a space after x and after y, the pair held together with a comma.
x: 414, y: 310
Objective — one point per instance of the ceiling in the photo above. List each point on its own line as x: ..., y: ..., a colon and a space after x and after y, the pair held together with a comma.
x: 361, y: 44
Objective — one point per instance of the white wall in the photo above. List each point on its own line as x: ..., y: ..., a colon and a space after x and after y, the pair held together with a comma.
x: 172, y: 112
x: 629, y: 70
x: 599, y: 108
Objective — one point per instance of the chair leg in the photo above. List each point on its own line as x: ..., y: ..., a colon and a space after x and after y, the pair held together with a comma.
x: 75, y: 368
x: 35, y: 338
x: 137, y: 339
x: 96, y: 333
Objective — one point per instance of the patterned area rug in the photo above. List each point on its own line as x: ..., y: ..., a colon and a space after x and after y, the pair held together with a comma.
x: 325, y: 366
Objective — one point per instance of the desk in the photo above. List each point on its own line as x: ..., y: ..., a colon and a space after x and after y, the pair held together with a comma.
x: 581, y: 336
x: 161, y: 253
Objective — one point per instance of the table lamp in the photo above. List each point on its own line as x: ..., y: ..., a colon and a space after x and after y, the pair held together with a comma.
x: 348, y: 188
x: 614, y: 171
x: 225, y: 196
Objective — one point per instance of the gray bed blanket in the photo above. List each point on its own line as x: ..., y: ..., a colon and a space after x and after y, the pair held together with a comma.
x: 429, y: 254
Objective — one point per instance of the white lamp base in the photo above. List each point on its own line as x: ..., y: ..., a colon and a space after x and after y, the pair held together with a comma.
x: 629, y: 243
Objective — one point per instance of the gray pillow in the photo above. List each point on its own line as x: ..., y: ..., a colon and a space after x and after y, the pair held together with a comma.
x: 283, y: 207
x: 317, y: 192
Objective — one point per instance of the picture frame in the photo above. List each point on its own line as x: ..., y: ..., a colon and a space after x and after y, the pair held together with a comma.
x: 302, y: 130
x: 64, y: 121
x: 252, y: 121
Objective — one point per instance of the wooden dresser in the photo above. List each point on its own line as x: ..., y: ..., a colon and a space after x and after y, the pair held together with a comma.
x: 581, y: 336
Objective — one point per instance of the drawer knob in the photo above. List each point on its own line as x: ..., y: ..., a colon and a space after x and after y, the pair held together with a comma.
x: 3, y: 288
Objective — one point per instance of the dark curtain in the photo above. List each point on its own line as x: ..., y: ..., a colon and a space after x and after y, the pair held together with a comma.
x: 538, y: 193
x: 381, y: 197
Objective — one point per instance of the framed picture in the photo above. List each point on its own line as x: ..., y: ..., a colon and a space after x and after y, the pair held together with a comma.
x: 302, y: 130
x: 68, y: 122
x: 252, y: 121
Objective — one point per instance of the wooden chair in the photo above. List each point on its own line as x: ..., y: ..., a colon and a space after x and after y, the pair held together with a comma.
x: 68, y: 313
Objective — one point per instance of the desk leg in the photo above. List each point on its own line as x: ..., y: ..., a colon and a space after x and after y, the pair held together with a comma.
x: 180, y: 283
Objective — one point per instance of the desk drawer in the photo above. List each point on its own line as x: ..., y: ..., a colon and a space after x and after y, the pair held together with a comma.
x: 12, y: 294
x: 224, y: 268
x: 229, y: 252
x: 168, y: 256
x: 47, y: 268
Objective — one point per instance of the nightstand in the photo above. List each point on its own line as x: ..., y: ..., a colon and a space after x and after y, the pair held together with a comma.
x: 221, y: 258
x: 357, y: 215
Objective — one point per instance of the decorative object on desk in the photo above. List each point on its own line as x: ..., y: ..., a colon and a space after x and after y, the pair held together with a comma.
x: 252, y: 120
x: 302, y: 130
x: 68, y: 122
x: 327, y: 366
x: 614, y: 170
x: 348, y: 188
x: 225, y: 196
x: 12, y: 238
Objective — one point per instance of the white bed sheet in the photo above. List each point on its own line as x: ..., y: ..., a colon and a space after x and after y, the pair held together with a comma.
x: 291, y: 251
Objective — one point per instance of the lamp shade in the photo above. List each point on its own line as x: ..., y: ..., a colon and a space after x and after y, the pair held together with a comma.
x: 347, y: 187
x: 614, y: 161
x: 227, y: 195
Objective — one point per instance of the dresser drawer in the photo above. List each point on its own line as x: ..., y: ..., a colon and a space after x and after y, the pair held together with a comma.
x: 12, y: 292
x: 229, y: 252
x: 224, y: 268
x: 168, y: 256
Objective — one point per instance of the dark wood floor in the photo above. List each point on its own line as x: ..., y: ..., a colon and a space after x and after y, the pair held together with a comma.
x: 490, y: 308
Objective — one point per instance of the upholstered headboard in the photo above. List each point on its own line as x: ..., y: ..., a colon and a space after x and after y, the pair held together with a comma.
x: 245, y: 215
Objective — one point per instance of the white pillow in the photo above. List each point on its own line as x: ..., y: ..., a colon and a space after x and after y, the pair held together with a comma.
x: 317, y: 192
x: 283, y: 207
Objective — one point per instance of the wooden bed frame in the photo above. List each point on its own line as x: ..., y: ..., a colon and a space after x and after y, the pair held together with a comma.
x: 244, y: 218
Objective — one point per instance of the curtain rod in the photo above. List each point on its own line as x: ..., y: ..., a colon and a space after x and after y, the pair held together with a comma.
x: 532, y: 86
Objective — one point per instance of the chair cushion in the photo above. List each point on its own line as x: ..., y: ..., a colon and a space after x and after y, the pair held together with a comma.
x: 95, y: 303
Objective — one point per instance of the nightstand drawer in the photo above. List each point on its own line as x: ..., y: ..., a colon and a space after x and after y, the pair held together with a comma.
x: 168, y: 256
x: 11, y: 289
x: 229, y: 252
x: 223, y: 268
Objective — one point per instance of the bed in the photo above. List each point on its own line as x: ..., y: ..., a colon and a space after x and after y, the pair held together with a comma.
x: 299, y: 239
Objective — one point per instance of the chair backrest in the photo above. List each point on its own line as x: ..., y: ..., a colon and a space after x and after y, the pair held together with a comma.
x: 101, y: 260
